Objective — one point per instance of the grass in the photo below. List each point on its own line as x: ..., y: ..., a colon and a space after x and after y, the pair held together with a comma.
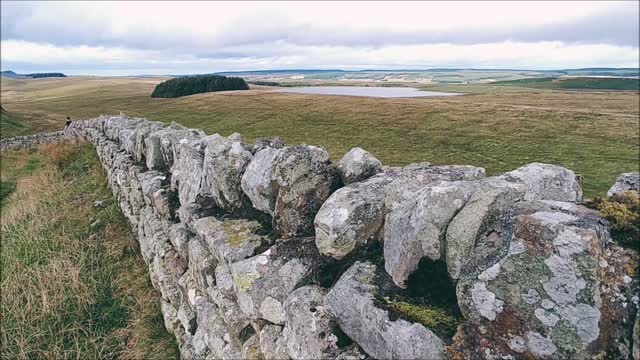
x: 69, y: 290
x: 578, y: 83
x: 12, y: 126
x: 500, y: 128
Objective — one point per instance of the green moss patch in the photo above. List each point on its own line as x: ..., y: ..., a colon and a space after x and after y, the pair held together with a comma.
x: 439, y: 320
x: 623, y: 213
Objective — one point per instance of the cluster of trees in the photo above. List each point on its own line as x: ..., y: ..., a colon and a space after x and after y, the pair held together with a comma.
x: 196, y: 84
x: 45, y: 75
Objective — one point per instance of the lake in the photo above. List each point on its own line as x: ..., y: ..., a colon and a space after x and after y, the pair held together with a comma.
x: 383, y: 92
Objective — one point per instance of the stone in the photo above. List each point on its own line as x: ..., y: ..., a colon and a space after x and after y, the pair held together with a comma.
x: 263, y: 143
x: 236, y: 137
x: 187, y: 172
x: 257, y: 181
x: 550, y: 284
x: 547, y: 182
x: 625, y: 182
x: 179, y: 237
x: 272, y: 311
x: 223, y: 166
x: 309, y: 327
x: 161, y: 145
x: 99, y: 204
x: 351, y: 302
x: 202, y: 264
x: 487, y: 202
x: 251, y: 348
x: 350, y: 217
x: 353, y: 215
x: 170, y: 316
x: 305, y: 178
x: 358, y: 165
x: 230, y: 240
x: 263, y: 282
x: 409, y: 180
x: 416, y: 227
x: 272, y: 343
x: 636, y: 337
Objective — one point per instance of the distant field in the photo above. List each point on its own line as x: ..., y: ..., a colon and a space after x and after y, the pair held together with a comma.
x: 497, y: 127
x: 578, y: 83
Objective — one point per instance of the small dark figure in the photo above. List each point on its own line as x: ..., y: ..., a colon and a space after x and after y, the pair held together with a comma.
x: 68, y: 123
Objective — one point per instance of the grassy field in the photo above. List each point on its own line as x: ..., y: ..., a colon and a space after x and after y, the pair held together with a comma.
x: 70, y: 290
x: 498, y: 127
x: 576, y: 83
x: 11, y: 126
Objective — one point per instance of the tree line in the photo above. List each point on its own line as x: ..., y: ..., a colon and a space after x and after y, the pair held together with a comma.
x: 196, y: 84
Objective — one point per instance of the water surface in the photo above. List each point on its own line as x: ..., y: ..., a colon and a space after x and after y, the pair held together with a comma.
x: 383, y: 92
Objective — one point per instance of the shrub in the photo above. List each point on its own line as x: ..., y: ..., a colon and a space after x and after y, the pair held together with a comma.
x: 189, y: 85
x: 623, y: 213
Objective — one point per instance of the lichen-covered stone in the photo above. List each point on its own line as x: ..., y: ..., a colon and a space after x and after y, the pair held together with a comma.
x: 230, y: 240
x: 262, y: 282
x: 358, y: 165
x: 272, y: 343
x: 224, y: 164
x: 257, y: 181
x: 484, y: 205
x: 351, y: 301
x: 350, y: 217
x: 202, y: 264
x: 305, y: 178
x: 625, y: 182
x: 547, y: 182
x: 354, y: 214
x: 187, y: 171
x: 416, y: 227
x: 251, y: 348
x: 533, y: 280
x: 309, y: 328
x: 409, y: 180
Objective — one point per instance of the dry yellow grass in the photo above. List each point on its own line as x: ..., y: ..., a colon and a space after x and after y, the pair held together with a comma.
x: 69, y: 290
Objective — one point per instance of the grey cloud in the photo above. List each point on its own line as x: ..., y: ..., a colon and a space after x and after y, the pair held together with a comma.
x: 618, y: 26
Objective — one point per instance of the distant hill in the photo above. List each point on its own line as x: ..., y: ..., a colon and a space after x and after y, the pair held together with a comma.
x: 12, y: 74
x: 9, y: 73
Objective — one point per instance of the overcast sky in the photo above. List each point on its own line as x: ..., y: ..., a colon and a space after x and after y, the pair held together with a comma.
x: 122, y: 38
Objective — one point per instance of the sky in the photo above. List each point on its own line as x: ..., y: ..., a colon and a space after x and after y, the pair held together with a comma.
x: 126, y: 38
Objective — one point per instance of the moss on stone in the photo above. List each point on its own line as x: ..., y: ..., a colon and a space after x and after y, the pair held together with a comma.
x: 236, y: 231
x: 245, y: 282
x: 623, y: 213
x: 439, y: 320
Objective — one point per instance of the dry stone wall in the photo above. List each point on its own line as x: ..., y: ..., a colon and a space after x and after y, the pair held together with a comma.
x: 264, y: 250
x: 19, y: 142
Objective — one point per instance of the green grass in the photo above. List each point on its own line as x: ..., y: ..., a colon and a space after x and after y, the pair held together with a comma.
x: 11, y: 126
x: 69, y: 290
x: 577, y: 83
x: 596, y: 134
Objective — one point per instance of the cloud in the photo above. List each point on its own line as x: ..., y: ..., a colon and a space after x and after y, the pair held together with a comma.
x: 185, y: 36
